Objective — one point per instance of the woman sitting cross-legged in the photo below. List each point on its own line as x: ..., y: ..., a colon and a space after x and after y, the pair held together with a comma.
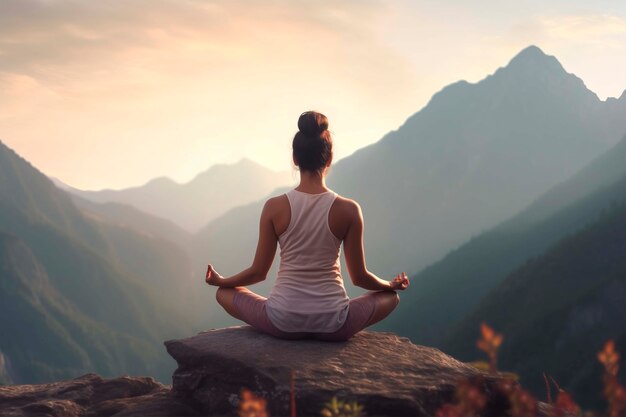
x: 308, y: 299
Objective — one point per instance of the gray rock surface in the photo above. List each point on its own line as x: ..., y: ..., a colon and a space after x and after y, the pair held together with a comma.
x: 387, y: 374
x: 92, y: 396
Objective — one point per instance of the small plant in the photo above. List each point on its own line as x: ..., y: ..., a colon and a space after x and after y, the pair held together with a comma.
x: 489, y: 343
x: 470, y: 401
x: 252, y: 405
x: 340, y: 408
x: 521, y: 402
x: 614, y: 393
x: 565, y: 406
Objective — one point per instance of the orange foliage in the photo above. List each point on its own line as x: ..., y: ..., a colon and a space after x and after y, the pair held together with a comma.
x: 252, y: 405
x: 489, y: 343
x: 609, y: 358
x: 470, y: 401
x: 565, y: 405
x: 614, y: 393
x: 521, y: 402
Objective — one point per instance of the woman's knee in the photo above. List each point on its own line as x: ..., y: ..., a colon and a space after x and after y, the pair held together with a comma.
x: 223, y: 293
x: 386, y: 302
x: 390, y: 298
x: 396, y: 298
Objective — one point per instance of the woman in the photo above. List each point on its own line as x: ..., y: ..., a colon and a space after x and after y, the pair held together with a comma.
x: 309, y: 222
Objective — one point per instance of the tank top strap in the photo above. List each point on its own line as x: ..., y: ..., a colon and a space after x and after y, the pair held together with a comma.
x: 309, y: 212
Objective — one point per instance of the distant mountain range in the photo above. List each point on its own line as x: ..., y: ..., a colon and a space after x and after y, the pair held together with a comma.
x: 78, y: 295
x: 464, y: 196
x: 127, y: 216
x: 194, y: 204
x: 449, y: 289
x: 559, y: 308
x: 473, y: 157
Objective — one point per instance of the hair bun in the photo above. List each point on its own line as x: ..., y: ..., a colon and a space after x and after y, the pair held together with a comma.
x: 312, y: 123
x: 312, y: 144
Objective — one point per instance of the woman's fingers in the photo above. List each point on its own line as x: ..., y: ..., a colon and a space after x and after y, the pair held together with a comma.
x: 401, y: 277
x: 400, y: 282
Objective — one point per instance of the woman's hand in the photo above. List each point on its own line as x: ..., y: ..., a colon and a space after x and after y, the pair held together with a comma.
x: 400, y: 282
x: 212, y: 277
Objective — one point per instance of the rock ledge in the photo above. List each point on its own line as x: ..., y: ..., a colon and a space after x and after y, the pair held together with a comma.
x: 387, y: 374
x: 91, y: 395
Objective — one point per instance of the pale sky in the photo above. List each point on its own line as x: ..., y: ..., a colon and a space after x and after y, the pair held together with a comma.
x: 109, y: 94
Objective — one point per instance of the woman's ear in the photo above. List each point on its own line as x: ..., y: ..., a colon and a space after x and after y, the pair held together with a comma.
x: 295, y: 162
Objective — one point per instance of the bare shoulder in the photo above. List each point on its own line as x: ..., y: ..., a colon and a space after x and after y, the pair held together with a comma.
x: 348, y: 207
x: 276, y: 204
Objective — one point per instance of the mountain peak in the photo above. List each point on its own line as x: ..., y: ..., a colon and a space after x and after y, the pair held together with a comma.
x: 532, y: 50
x: 160, y: 182
x: 246, y: 161
x: 532, y: 58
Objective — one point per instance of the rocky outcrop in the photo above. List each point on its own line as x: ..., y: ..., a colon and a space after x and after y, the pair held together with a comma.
x: 92, y: 396
x: 387, y: 374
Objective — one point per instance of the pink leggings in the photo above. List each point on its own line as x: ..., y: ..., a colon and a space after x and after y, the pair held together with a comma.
x: 251, y: 308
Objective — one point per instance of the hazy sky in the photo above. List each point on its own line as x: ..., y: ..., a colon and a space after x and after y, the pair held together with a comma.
x: 113, y: 93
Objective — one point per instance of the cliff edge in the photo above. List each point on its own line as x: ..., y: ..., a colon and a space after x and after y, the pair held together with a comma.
x: 386, y: 374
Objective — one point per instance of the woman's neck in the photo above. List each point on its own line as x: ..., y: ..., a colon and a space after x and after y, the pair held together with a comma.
x: 312, y: 183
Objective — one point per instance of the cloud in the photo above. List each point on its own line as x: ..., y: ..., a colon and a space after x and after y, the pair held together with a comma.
x: 178, y: 77
x: 585, y: 28
x: 39, y: 36
x: 89, y: 84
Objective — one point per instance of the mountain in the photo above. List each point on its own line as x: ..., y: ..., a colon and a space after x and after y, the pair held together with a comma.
x: 194, y: 204
x: 129, y: 217
x: 44, y: 337
x: 474, y: 156
x: 557, y: 310
x: 109, y: 291
x: 447, y: 290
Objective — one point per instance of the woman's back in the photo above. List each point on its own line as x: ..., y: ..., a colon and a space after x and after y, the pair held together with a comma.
x: 309, y: 294
x: 309, y: 223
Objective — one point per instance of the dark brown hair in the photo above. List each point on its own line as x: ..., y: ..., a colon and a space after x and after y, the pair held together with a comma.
x: 313, y: 144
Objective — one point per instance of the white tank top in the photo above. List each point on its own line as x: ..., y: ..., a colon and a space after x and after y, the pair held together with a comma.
x: 309, y: 295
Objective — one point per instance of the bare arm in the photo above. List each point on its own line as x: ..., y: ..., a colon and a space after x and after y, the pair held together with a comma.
x: 355, y: 256
x: 265, y: 252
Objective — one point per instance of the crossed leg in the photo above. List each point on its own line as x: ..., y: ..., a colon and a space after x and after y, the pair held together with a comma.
x: 225, y: 297
x: 385, y: 302
x: 251, y: 309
